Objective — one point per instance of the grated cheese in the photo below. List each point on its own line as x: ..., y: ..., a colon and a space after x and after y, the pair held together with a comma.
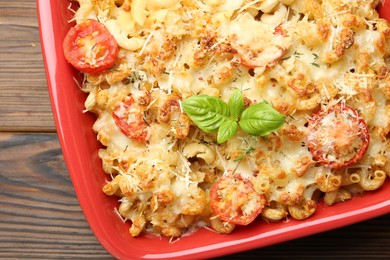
x: 297, y: 59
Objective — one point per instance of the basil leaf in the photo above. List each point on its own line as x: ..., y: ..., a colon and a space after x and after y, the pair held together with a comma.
x: 207, y: 112
x: 261, y: 119
x: 236, y: 104
x: 227, y: 130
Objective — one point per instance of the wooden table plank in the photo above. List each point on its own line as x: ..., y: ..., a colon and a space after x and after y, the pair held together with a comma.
x: 24, y: 98
x: 40, y: 215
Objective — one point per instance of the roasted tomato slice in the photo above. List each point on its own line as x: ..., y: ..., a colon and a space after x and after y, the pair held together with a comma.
x: 132, y: 121
x: 90, y: 47
x: 234, y: 200
x: 338, y: 136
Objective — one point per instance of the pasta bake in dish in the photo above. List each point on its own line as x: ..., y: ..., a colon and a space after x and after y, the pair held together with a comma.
x: 216, y: 113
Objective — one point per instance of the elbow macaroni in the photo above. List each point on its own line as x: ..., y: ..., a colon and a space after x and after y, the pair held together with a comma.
x: 312, y: 54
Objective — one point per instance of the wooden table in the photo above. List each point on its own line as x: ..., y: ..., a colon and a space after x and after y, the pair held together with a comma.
x: 39, y: 213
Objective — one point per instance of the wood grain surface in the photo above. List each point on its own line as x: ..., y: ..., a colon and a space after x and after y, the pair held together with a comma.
x: 24, y: 99
x: 40, y: 217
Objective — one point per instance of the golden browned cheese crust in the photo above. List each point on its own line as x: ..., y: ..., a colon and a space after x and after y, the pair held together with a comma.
x: 300, y: 56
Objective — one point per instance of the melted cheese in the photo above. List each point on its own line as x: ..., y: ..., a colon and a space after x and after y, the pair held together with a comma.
x: 297, y: 59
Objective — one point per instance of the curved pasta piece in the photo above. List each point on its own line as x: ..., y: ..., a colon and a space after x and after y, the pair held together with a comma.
x: 303, y: 210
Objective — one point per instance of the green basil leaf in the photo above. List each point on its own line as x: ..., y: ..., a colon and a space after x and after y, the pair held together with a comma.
x: 236, y: 104
x: 261, y: 119
x: 227, y: 130
x: 207, y: 112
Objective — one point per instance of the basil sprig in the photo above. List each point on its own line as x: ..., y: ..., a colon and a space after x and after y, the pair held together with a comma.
x: 261, y: 119
x: 207, y: 112
x: 211, y: 114
x: 227, y: 130
x: 236, y: 104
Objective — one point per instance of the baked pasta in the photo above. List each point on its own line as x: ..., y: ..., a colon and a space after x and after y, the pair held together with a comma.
x: 220, y: 113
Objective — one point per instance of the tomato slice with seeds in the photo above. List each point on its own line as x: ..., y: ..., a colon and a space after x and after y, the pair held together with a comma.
x: 90, y: 47
x: 130, y: 118
x: 338, y: 136
x: 234, y: 200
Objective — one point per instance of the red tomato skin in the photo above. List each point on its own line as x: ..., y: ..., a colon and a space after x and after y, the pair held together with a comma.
x: 90, y: 38
x: 136, y: 130
x: 225, y: 214
x: 364, y: 136
x: 279, y: 30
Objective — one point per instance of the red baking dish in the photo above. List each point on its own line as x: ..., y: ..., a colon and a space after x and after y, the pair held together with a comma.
x: 79, y: 146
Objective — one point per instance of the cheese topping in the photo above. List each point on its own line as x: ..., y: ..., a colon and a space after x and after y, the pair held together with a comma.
x: 301, y: 56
